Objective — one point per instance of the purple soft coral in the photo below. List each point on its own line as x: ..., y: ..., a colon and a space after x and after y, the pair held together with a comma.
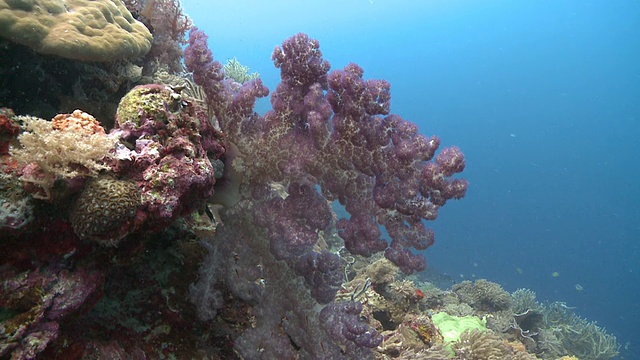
x: 341, y: 320
x: 333, y: 130
x: 329, y: 137
x: 226, y: 101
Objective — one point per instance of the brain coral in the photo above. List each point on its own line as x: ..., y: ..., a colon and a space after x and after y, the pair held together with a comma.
x: 88, y: 30
x: 105, y: 210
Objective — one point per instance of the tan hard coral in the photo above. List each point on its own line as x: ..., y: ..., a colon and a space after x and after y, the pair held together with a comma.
x: 105, y: 210
x: 88, y: 30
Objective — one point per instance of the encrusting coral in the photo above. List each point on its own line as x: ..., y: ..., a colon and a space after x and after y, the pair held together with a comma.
x: 16, y: 208
x: 102, y: 30
x: 172, y: 151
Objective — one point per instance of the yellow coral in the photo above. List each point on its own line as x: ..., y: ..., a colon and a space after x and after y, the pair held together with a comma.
x: 59, y: 153
x: 88, y: 30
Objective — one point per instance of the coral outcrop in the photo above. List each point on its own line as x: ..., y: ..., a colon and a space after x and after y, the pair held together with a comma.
x: 172, y: 149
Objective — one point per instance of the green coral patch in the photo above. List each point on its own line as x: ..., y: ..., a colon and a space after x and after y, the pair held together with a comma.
x: 451, y: 327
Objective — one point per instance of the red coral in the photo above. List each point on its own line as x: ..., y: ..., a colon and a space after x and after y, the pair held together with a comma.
x: 9, y: 129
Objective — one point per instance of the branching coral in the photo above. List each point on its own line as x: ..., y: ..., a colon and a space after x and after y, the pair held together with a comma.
x: 523, y: 300
x: 72, y: 145
x: 578, y: 336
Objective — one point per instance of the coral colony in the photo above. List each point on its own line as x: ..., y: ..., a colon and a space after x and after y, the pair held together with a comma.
x: 157, y: 216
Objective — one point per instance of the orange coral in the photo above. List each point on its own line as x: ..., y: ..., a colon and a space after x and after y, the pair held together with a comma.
x: 77, y: 121
x: 516, y: 346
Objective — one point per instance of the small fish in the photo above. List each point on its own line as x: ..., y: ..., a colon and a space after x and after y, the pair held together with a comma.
x: 280, y: 189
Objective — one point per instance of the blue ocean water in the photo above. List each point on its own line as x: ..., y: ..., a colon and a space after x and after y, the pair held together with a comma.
x: 543, y: 97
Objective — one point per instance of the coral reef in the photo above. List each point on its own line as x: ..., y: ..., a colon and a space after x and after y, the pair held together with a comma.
x: 568, y: 333
x: 16, y: 207
x: 169, y: 26
x: 452, y: 327
x: 480, y: 345
x: 9, y: 129
x: 45, y: 85
x: 78, y: 29
x: 335, y: 142
x: 195, y: 228
x: 36, y: 302
x: 524, y: 300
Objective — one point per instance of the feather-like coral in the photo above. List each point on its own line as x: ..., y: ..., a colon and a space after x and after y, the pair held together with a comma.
x: 484, y: 345
x: 61, y: 150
